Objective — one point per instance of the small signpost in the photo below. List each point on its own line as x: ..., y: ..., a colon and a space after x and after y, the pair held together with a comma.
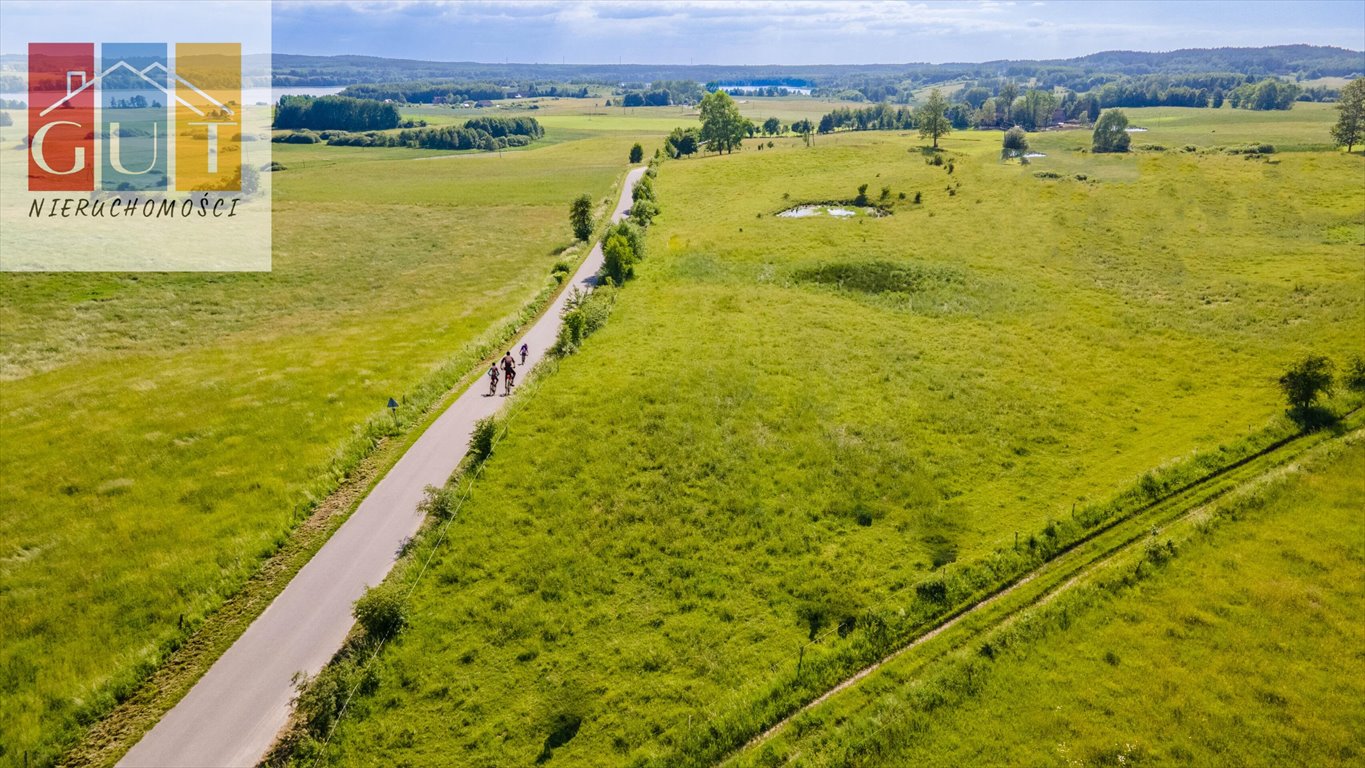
x: 393, y: 408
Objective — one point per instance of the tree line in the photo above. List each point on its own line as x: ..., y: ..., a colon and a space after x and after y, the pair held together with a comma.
x: 335, y: 113
x: 486, y: 133
x: 454, y: 92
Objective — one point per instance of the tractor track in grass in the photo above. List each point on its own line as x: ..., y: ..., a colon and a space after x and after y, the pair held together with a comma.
x: 1085, y: 555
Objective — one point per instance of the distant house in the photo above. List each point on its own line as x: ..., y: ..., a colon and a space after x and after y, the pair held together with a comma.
x: 483, y: 103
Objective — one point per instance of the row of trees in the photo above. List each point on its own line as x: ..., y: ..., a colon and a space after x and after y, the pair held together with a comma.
x: 1267, y: 94
x: 454, y: 91
x: 335, y: 113
x: 656, y: 98
x: 486, y: 133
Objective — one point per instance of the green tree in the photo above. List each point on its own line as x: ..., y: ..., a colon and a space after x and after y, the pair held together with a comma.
x: 1350, y: 128
x: 637, y: 153
x: 1015, y: 143
x: 580, y: 217
x: 618, y: 259
x: 933, y: 117
x: 1036, y: 110
x: 722, y: 126
x: 681, y: 142
x: 1305, y: 381
x: 772, y: 126
x: 1111, y: 132
x: 1004, y: 100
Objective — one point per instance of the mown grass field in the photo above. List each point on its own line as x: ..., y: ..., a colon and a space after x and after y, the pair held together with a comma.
x: 162, y: 433
x: 1242, y: 650
x: 746, y: 446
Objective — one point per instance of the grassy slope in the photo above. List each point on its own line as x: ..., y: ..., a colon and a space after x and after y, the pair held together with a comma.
x: 162, y: 432
x: 638, y: 549
x: 1245, y: 651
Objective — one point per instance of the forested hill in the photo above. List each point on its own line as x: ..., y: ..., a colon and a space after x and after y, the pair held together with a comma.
x: 1306, y: 60
x: 1302, y: 61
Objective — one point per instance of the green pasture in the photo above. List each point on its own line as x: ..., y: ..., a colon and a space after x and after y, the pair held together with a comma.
x: 162, y: 433
x: 1242, y: 650
x: 748, y: 445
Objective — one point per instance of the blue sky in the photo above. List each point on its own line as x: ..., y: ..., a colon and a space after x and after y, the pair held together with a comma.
x: 801, y: 32
x: 697, y: 31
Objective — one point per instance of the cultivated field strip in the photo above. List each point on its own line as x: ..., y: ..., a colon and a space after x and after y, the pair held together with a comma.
x: 1078, y: 560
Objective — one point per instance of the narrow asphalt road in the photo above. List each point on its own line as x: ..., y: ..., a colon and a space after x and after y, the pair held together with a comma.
x: 232, y: 715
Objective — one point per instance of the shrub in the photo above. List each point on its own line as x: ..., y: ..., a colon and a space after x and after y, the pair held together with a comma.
x: 439, y: 502
x: 561, y: 271
x: 320, y: 698
x: 585, y: 313
x: 932, y: 591
x: 484, y: 437
x: 918, y: 197
x: 1306, y: 380
x: 644, y: 189
x: 297, y: 137
x: 1354, y: 378
x: 642, y: 213
x: 382, y: 610
x: 861, y: 199
x: 1014, y: 144
x: 637, y: 153
x: 886, y: 194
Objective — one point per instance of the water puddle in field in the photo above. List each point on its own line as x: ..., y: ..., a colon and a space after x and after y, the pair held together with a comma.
x: 838, y: 212
x: 1035, y: 154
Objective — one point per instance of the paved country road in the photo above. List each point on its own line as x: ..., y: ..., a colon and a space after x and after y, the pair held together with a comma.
x: 232, y: 715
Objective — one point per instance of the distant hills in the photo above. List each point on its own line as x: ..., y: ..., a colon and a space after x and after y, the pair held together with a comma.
x: 1292, y: 61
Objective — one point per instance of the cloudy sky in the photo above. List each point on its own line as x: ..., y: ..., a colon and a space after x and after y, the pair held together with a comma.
x: 797, y: 32
x: 697, y: 31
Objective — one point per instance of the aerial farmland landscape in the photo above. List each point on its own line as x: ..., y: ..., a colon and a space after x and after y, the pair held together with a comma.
x: 745, y: 384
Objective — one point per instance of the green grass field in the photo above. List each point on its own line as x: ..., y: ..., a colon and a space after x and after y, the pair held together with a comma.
x: 164, y: 432
x: 746, y: 445
x: 1243, y: 650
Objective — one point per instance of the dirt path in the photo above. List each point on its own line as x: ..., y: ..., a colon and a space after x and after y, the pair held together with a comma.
x: 233, y: 713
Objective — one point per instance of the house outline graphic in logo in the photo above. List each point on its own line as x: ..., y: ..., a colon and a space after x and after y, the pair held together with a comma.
x: 142, y: 73
x: 183, y: 131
